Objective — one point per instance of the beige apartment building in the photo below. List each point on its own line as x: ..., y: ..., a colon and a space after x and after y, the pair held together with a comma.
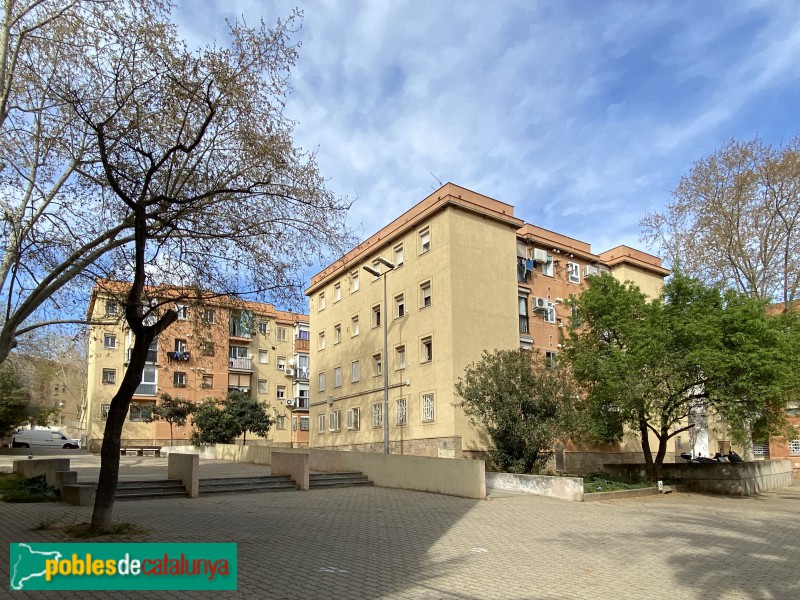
x: 215, y: 346
x: 467, y: 276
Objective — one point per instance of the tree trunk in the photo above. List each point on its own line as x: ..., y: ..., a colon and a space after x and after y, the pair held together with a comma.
x: 649, y: 466
x: 244, y: 438
x: 110, y: 450
x: 170, y: 433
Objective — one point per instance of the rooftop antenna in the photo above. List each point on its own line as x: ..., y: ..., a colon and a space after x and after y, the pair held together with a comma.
x: 436, y: 178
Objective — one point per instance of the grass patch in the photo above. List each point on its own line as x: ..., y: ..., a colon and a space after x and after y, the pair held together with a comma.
x: 34, y: 489
x: 600, y: 482
x: 121, y: 530
x: 8, y: 481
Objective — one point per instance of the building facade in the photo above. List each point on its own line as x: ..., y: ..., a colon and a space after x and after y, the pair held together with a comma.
x: 214, y: 347
x: 464, y: 275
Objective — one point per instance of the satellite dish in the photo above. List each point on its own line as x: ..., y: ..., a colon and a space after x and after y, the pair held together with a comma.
x: 291, y: 362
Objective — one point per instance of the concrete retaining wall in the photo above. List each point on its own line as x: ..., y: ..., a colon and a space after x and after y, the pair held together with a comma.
x: 732, y: 479
x: 41, y: 466
x: 565, y: 488
x: 454, y: 477
x: 205, y: 452
x: 293, y: 464
x: 585, y: 462
x: 186, y: 468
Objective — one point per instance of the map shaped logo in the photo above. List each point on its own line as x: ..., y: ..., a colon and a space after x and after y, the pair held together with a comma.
x: 27, y: 564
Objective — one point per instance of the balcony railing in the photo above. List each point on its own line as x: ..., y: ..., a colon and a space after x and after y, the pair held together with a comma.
x: 146, y: 389
x: 178, y: 356
x: 240, y: 364
x: 301, y: 402
x: 301, y: 345
x: 301, y: 373
x: 239, y: 388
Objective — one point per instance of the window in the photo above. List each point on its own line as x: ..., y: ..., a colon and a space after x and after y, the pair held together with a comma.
x: 104, y: 408
x: 281, y: 334
x: 337, y: 292
x: 550, y: 313
x: 376, y: 316
x: 208, y: 382
x: 239, y: 351
x: 377, y: 365
x: 399, y: 306
x: 280, y: 363
x: 377, y: 414
x: 337, y: 377
x: 426, y: 349
x: 337, y: 333
x: 321, y: 341
x: 576, y: 320
x: 263, y: 357
x: 208, y: 316
x: 304, y: 334
x: 263, y: 328
x: 353, y: 282
x: 428, y: 408
x: 280, y: 392
x: 179, y: 379
x: 400, y: 358
x: 401, y: 412
x: 761, y: 450
x: 322, y: 382
x: 321, y: 301
x: 550, y: 360
x: 794, y: 448
x: 183, y: 312
x: 333, y: 420
x: 547, y: 268
x: 354, y: 327
x: 353, y: 418
x: 399, y: 255
x: 207, y: 348
x: 355, y: 371
x: 522, y: 301
x: 321, y: 424
x: 139, y: 413
x: 280, y: 422
x: 424, y: 240
x: 263, y: 386
x: 180, y: 345
x: 303, y: 423
x: 573, y: 272
x: 109, y: 341
x: 112, y: 307
x: 110, y: 376
x: 425, y: 294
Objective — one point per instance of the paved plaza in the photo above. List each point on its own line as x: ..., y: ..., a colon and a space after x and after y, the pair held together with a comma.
x: 370, y: 543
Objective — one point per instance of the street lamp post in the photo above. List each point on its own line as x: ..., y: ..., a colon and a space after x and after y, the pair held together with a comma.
x: 374, y: 272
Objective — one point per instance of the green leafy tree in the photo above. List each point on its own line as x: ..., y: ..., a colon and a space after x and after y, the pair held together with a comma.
x: 174, y: 411
x: 522, y: 402
x: 14, y: 400
x: 648, y: 365
x: 221, y: 422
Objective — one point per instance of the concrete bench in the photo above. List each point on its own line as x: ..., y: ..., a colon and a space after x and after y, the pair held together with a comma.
x: 140, y: 450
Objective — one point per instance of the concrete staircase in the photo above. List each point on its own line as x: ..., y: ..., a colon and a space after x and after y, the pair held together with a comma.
x: 162, y: 488
x: 231, y: 485
x: 331, y: 480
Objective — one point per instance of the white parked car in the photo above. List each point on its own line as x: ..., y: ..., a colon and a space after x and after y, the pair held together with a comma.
x: 33, y: 438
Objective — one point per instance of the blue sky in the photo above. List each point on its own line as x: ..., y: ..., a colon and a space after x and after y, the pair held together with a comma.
x: 583, y: 115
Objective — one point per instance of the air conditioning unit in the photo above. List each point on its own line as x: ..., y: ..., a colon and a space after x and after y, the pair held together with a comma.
x: 289, y: 372
x: 540, y: 304
x: 590, y: 270
x: 289, y: 402
x: 541, y: 256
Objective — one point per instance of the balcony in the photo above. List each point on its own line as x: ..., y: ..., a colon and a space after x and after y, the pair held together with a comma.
x: 301, y: 345
x: 178, y: 356
x: 301, y: 402
x: 301, y: 373
x: 152, y: 356
x: 240, y: 364
x: 239, y: 388
x: 146, y: 389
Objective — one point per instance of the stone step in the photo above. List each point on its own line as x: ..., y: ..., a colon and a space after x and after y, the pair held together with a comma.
x: 150, y: 493
x: 146, y: 483
x: 342, y: 475
x: 339, y: 483
x: 242, y: 488
x: 233, y: 480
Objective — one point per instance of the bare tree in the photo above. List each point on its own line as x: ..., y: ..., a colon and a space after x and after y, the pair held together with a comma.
x: 735, y: 220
